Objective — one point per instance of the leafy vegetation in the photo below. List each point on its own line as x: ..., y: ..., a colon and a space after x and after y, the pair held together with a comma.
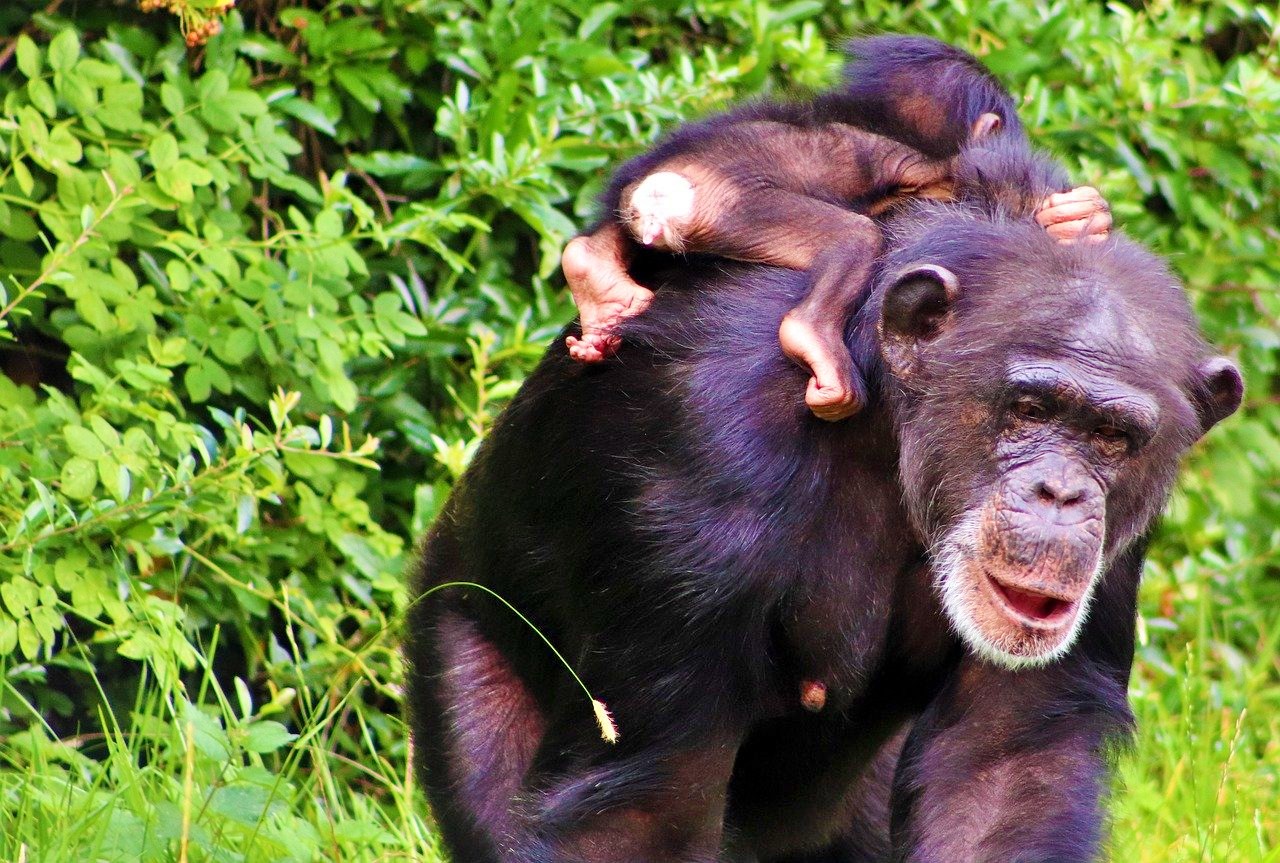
x: 262, y: 298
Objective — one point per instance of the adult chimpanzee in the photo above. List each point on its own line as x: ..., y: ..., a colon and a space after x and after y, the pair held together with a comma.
x: 959, y: 562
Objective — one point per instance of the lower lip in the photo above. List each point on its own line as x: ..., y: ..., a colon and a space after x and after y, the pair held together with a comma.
x: 1034, y: 610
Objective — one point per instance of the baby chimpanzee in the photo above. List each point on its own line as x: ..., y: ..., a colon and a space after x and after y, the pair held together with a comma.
x: 797, y: 184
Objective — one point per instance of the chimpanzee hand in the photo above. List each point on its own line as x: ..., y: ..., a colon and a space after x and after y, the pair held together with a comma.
x: 1079, y: 214
x: 596, y: 270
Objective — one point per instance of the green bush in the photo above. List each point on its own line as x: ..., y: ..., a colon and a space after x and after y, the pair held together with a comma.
x: 263, y: 297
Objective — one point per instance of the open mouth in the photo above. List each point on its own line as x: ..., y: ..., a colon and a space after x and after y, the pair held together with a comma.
x: 1031, y: 608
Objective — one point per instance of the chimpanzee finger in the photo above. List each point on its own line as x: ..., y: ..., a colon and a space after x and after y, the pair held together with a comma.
x: 1092, y: 229
x: 1068, y: 212
x: 1071, y: 196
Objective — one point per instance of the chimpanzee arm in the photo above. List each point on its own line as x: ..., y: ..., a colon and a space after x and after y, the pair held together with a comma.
x: 1010, y: 766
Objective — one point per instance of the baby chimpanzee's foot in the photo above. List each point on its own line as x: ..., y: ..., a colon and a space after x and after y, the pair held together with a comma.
x: 813, y: 695
x: 659, y: 210
x: 595, y: 268
x: 835, y: 391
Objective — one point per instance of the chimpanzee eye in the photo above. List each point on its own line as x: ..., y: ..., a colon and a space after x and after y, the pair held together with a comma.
x: 1111, y: 436
x: 1031, y: 410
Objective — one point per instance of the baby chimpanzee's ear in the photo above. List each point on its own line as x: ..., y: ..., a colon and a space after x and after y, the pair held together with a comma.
x: 916, y: 309
x: 1217, y: 391
x: 986, y: 125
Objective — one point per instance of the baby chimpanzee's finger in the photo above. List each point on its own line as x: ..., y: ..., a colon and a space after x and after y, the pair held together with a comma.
x: 1068, y: 206
x: 1080, y: 214
x: 1067, y: 212
x: 1072, y: 196
x: 1093, y: 229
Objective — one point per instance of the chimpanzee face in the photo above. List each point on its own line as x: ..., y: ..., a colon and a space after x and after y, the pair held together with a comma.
x: 1043, y: 403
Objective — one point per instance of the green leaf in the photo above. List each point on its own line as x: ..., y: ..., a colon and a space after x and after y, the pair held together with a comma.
x: 355, y: 83
x: 122, y: 106
x: 196, y: 175
x: 246, y: 804
x: 164, y: 152
x: 68, y: 570
x: 174, y: 183
x: 26, y: 183
x: 32, y: 127
x: 171, y: 98
x: 210, y: 738
x: 64, y: 50
x: 104, y: 431
x: 8, y: 635
x: 87, y: 594
x: 79, y: 478
x: 198, y: 382
x: 139, y: 645
x: 29, y: 61
x: 600, y: 15
x: 267, y: 736
x: 28, y: 639
x: 83, y: 442
x: 41, y: 95
x: 219, y: 116
x: 213, y: 85
x: 63, y: 146
x: 17, y: 223
x: 308, y: 113
x: 20, y: 595
x: 328, y: 224
x: 239, y: 345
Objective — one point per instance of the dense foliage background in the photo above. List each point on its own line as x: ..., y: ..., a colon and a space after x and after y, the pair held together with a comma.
x: 262, y: 298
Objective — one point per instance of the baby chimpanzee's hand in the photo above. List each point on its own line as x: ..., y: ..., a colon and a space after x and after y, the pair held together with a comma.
x: 834, y: 392
x: 1080, y: 214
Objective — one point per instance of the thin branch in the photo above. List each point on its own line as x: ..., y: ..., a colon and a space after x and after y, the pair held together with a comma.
x: 11, y: 44
x: 63, y: 253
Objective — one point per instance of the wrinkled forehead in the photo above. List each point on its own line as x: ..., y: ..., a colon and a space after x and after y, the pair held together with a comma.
x: 1099, y: 332
x: 1108, y: 325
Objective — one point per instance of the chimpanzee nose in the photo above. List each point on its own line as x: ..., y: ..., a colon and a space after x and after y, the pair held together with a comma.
x: 1060, y: 492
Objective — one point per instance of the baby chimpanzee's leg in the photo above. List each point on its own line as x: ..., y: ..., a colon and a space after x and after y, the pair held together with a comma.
x: 697, y: 208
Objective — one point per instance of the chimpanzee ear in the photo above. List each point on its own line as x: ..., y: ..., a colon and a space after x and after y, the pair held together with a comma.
x: 1217, y: 390
x: 987, y: 124
x: 915, y: 310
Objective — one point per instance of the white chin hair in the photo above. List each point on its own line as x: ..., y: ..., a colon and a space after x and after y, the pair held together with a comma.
x: 951, y: 557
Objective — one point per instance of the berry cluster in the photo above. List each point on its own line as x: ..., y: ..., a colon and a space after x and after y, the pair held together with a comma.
x: 198, y: 25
